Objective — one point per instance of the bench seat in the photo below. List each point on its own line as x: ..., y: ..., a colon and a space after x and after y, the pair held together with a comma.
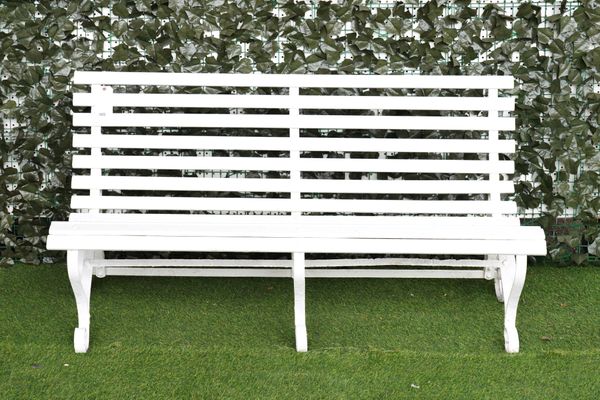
x: 299, y: 234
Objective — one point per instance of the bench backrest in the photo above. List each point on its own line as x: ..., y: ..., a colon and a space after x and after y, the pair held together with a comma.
x: 278, y: 128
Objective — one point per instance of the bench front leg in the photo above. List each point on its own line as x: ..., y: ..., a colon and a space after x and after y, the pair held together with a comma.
x: 512, y: 273
x: 298, y: 275
x: 80, y: 275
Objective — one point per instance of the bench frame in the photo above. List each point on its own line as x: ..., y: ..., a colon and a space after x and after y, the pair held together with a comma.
x: 86, y: 258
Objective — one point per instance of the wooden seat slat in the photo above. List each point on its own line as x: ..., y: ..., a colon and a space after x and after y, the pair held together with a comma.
x: 291, y: 245
x: 299, y: 228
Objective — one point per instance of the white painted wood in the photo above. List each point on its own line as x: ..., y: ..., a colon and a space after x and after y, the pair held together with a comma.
x: 289, y: 185
x: 101, y: 106
x: 295, y: 162
x: 286, y: 273
x: 80, y: 276
x: 200, y: 272
x: 298, y: 275
x: 498, y: 288
x: 277, y: 121
x: 493, y: 136
x: 284, y: 164
x: 289, y: 245
x: 513, y: 273
x: 395, y: 273
x: 183, y: 142
x: 299, y: 229
x: 288, y: 205
x: 185, y: 219
x: 303, y: 144
x: 497, y: 276
x: 299, y: 80
x: 300, y: 102
x: 309, y: 264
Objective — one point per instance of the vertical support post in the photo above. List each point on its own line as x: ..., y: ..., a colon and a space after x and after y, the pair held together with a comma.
x: 494, y: 176
x: 298, y: 264
x: 493, y: 138
x: 102, y: 108
x: 298, y: 274
x: 295, y: 173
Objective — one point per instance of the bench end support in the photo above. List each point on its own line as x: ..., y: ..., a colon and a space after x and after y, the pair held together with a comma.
x: 80, y: 276
x: 513, y: 273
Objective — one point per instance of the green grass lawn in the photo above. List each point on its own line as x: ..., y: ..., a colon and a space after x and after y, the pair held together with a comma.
x: 209, y: 338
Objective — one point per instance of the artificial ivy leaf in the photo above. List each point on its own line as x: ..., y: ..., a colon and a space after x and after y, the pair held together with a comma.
x: 176, y: 5
x: 234, y: 50
x: 557, y: 46
x: 163, y: 55
x: 394, y: 26
x: 120, y: 9
x: 9, y: 105
x: 545, y: 35
x: 120, y: 53
x: 244, y: 66
x: 295, y: 67
x: 34, y: 55
x: 119, y: 27
x: 347, y: 66
x: 501, y: 32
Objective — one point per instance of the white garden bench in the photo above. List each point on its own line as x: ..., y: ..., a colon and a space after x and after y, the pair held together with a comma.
x: 307, y: 209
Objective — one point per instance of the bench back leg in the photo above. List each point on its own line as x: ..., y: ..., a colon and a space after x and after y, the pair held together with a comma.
x: 512, y: 274
x: 497, y: 279
x: 298, y: 275
x: 80, y: 275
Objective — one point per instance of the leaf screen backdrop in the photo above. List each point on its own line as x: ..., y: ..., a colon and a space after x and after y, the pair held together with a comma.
x: 552, y: 48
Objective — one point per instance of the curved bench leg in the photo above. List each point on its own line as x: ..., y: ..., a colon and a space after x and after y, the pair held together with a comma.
x: 512, y: 278
x: 299, y: 309
x: 498, y: 288
x: 497, y: 281
x: 80, y: 275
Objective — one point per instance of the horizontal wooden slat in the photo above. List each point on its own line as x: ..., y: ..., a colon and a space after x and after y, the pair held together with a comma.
x: 283, y: 273
x: 289, y: 245
x: 284, y: 164
x: 304, y: 144
x: 300, y: 102
x: 187, y: 162
x: 288, y: 205
x: 297, y: 80
x: 396, y: 273
x: 275, y: 121
x: 199, y: 272
x: 283, y: 263
x: 182, y: 142
x: 287, y: 185
x: 392, y: 145
x: 183, y: 219
x: 299, y: 230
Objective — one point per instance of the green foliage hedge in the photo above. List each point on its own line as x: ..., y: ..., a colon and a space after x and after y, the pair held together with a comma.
x: 556, y: 60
